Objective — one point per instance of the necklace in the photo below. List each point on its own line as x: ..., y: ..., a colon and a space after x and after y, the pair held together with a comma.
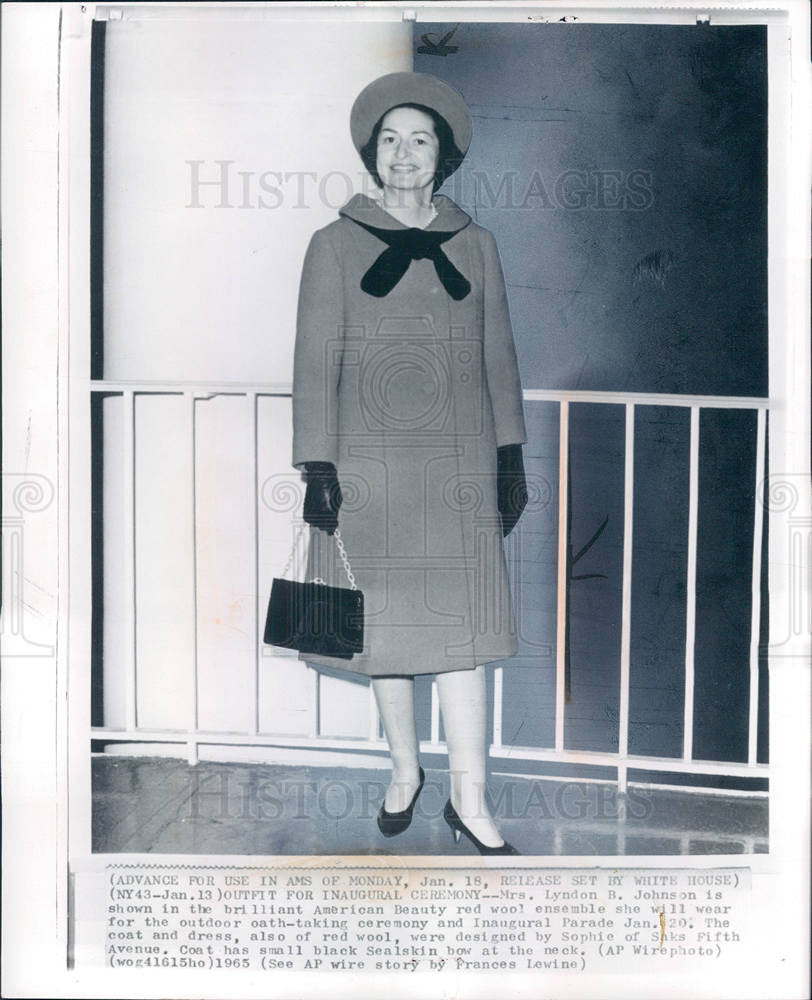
x: 428, y: 221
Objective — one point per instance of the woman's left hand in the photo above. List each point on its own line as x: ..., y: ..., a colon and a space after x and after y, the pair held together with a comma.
x: 323, y: 496
x: 511, y: 485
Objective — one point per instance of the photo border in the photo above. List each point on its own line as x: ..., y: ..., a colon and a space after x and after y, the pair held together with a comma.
x: 46, y: 791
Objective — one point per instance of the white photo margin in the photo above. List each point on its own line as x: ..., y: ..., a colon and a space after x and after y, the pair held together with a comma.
x: 45, y: 702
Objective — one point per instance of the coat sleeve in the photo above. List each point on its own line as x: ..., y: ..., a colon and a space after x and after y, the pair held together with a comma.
x: 501, y: 366
x: 318, y: 354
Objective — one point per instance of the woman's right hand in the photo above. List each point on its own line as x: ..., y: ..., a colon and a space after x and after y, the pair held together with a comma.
x: 323, y: 496
x: 511, y: 485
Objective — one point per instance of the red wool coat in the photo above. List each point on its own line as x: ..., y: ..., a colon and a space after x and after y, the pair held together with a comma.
x: 409, y: 395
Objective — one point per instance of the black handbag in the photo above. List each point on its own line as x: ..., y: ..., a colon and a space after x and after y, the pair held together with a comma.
x: 315, y: 618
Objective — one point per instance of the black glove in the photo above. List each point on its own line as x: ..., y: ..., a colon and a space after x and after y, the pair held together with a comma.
x: 323, y: 496
x: 511, y: 486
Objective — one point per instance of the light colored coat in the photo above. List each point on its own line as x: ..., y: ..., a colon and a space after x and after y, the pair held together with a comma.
x: 409, y: 395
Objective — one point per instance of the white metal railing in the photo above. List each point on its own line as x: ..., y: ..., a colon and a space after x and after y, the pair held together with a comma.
x: 193, y: 737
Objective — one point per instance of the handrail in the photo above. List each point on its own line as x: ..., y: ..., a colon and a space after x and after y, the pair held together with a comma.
x: 533, y: 395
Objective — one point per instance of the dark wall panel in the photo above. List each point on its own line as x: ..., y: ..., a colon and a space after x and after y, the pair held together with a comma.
x: 659, y: 577
x: 724, y: 574
x: 622, y: 169
x: 596, y: 469
x: 532, y: 552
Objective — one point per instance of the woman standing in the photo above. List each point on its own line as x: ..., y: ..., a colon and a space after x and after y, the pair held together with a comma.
x: 407, y: 418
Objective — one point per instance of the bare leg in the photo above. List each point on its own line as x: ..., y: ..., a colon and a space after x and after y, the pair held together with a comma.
x: 395, y: 698
x: 462, y: 700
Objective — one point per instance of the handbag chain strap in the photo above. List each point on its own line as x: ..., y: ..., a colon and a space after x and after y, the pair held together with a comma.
x: 341, y: 551
x: 345, y: 559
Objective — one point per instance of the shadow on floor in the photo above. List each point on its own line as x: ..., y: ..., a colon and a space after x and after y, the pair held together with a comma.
x: 164, y: 806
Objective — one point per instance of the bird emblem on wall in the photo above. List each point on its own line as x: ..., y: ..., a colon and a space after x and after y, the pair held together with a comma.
x: 434, y: 48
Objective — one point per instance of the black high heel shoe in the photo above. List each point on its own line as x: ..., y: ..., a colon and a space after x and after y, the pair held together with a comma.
x: 458, y: 828
x: 390, y: 824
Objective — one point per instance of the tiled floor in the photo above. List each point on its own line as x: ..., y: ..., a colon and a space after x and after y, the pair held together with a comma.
x: 160, y: 805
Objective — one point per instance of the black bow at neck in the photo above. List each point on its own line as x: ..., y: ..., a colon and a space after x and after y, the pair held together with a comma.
x: 404, y: 246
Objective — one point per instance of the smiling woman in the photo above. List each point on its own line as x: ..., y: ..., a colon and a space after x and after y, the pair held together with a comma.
x: 407, y: 149
x: 406, y: 396
x: 403, y: 141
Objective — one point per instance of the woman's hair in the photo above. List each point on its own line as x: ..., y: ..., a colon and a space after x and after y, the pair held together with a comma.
x: 449, y: 156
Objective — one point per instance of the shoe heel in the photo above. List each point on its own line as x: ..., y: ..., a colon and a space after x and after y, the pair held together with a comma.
x: 450, y: 816
x: 457, y: 828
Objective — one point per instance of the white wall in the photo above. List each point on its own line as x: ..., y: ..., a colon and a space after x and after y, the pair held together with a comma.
x: 209, y: 294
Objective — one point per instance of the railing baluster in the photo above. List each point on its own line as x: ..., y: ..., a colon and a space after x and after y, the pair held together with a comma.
x: 190, y: 416
x: 251, y: 399
x: 435, y: 714
x: 316, y: 728
x: 497, y: 707
x: 561, y: 615
x: 690, y: 614
x: 128, y: 458
x: 373, y: 715
x: 755, y: 613
x: 625, y: 630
